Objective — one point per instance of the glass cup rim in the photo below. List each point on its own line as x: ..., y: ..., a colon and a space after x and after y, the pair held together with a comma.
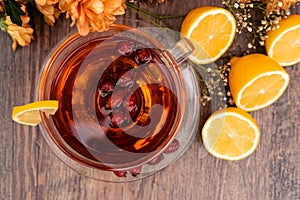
x: 45, y: 127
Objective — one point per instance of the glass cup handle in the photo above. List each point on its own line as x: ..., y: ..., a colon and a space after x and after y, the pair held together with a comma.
x: 182, y: 49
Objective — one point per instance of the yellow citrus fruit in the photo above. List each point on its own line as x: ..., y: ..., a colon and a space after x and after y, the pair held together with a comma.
x: 212, y: 30
x: 231, y: 134
x: 29, y: 114
x: 283, y: 44
x: 256, y: 81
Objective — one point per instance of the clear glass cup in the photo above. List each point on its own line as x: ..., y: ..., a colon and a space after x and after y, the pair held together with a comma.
x: 120, y: 118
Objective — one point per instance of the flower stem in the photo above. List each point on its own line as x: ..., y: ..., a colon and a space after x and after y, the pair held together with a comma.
x: 149, y: 19
x: 141, y: 10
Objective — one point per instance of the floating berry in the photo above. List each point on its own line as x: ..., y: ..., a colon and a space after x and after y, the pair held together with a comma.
x: 117, y: 118
x: 156, y: 160
x: 126, y: 79
x: 120, y: 173
x: 116, y: 99
x: 172, y: 147
x: 142, y: 56
x: 130, y: 104
x: 106, y: 110
x: 106, y: 87
x: 135, y: 171
x: 125, y: 48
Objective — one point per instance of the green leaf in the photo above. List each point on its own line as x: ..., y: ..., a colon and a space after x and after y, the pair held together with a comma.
x: 13, y: 9
x: 3, y: 25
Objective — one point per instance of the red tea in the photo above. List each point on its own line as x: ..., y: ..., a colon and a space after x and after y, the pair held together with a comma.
x: 117, y: 102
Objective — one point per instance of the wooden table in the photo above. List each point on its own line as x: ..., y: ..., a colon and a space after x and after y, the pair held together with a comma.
x: 30, y: 170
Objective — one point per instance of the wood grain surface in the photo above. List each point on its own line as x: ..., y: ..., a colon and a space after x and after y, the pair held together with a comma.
x: 30, y: 170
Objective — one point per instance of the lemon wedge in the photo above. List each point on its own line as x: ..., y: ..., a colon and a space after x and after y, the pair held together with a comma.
x: 29, y: 114
x: 231, y: 134
x: 212, y: 30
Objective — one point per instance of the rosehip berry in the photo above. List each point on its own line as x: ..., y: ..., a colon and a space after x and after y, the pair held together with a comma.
x: 120, y: 173
x: 106, y: 110
x: 126, y: 79
x: 107, y: 87
x: 172, y: 147
x: 117, y: 118
x: 130, y: 104
x: 125, y: 48
x: 156, y: 160
x: 116, y: 99
x: 135, y: 171
x: 142, y: 56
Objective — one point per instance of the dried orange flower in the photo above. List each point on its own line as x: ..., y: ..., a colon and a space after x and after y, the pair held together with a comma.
x: 21, y: 35
x: 49, y: 9
x: 147, y: 1
x: 275, y: 5
x: 92, y: 14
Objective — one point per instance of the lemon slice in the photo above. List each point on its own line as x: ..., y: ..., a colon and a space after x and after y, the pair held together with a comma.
x: 29, y: 114
x: 230, y: 134
x: 256, y: 81
x: 283, y: 44
x: 212, y: 30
